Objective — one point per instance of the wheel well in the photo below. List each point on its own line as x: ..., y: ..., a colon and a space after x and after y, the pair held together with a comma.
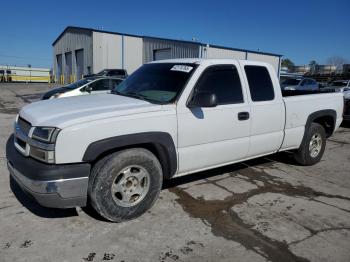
x: 327, y: 122
x: 156, y: 149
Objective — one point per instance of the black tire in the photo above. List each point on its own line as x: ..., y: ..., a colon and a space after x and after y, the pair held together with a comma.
x: 303, y: 155
x: 104, y: 173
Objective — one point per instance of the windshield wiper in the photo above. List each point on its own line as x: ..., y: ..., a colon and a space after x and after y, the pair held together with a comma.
x: 142, y: 97
x: 137, y: 96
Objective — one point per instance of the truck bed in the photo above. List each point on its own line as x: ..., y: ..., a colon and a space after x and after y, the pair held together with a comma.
x: 299, y: 106
x: 286, y: 93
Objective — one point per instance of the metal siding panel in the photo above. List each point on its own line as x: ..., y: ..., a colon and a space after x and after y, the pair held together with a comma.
x: 73, y: 40
x: 107, y: 51
x: 273, y: 60
x: 132, y: 53
x: 178, y: 49
x: 213, y: 52
x: 68, y: 70
x: 162, y: 54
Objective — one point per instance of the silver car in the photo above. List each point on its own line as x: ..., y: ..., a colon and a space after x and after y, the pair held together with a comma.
x: 306, y: 84
x: 339, y: 86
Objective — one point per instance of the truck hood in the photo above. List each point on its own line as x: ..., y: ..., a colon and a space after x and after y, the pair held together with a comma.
x: 73, y: 110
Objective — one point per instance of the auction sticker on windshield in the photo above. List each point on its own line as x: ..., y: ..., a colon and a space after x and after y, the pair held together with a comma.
x: 182, y: 68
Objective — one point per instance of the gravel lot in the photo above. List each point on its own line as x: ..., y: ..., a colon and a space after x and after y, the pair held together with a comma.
x: 268, y: 209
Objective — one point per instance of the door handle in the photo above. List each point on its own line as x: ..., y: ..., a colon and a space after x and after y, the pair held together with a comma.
x: 243, y: 116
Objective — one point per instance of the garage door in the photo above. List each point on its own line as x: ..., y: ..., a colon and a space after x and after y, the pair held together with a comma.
x: 68, y: 67
x: 79, y: 61
x: 59, y: 68
x: 161, y: 54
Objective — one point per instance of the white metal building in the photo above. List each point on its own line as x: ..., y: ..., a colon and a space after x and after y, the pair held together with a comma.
x: 78, y: 51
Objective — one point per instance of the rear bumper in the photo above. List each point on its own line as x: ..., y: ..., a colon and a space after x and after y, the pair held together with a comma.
x: 58, y: 186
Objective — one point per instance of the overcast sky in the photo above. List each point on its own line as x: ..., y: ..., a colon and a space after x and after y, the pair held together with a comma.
x: 299, y: 30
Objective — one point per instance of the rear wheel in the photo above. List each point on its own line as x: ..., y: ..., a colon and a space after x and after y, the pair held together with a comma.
x: 313, y: 145
x: 125, y: 184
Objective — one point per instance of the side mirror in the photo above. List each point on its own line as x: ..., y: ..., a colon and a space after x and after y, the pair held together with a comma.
x: 204, y: 99
x: 88, y: 89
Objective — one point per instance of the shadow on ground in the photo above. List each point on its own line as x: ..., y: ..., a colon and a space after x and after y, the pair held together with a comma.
x: 28, y: 202
x: 283, y: 157
x: 345, y: 124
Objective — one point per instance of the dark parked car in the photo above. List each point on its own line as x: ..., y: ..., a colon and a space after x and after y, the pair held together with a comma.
x: 120, y: 73
x: 346, y: 115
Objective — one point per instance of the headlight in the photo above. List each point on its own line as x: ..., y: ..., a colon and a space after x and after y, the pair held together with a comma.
x: 46, y: 134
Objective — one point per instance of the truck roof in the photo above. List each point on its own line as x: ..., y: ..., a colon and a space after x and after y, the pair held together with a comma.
x: 206, y: 61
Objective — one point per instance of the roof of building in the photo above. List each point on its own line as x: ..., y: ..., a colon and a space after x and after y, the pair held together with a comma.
x: 159, y: 38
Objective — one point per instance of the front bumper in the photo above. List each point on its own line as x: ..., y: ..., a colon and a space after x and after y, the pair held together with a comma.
x: 58, y: 186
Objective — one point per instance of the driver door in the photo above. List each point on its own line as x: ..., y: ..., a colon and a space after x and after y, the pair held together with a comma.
x: 214, y: 136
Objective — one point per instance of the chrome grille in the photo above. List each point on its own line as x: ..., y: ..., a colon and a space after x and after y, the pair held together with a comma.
x: 24, y: 125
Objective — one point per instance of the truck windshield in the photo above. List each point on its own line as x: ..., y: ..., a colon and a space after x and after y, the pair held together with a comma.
x: 157, y: 83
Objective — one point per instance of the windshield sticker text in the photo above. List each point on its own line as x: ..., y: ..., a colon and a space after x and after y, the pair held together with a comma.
x: 182, y: 68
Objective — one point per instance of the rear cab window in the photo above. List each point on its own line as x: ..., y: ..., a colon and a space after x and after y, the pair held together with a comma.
x: 260, y: 83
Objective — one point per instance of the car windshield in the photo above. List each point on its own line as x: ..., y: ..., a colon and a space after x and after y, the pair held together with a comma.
x: 339, y: 83
x: 291, y: 82
x: 78, y: 84
x: 157, y: 83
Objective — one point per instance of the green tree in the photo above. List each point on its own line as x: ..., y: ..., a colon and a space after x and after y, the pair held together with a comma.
x: 286, y: 62
x: 313, y: 66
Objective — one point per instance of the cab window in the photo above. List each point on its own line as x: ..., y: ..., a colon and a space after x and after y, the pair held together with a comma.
x: 224, y: 82
x: 260, y: 84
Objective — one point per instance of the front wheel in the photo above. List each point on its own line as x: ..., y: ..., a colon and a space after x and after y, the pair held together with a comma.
x: 313, y: 145
x: 125, y: 184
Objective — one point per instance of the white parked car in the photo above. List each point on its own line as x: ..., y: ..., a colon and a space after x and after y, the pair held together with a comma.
x: 86, y: 86
x: 304, y: 84
x: 339, y: 86
x: 168, y: 119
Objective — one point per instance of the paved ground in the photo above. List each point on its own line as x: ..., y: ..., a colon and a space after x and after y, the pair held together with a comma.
x: 268, y: 209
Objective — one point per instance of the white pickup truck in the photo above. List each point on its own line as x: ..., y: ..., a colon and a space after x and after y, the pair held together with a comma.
x: 169, y: 118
